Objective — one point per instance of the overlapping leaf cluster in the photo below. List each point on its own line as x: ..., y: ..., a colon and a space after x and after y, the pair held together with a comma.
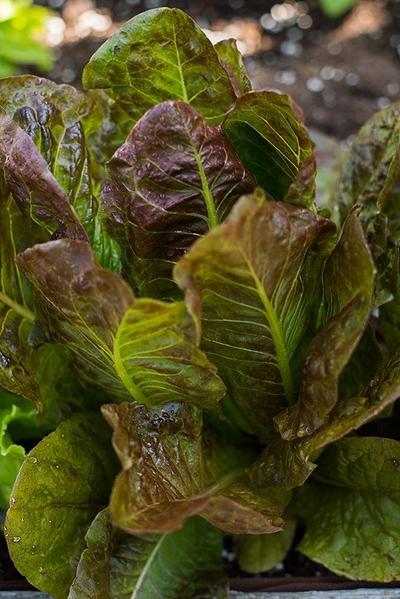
x: 191, y: 326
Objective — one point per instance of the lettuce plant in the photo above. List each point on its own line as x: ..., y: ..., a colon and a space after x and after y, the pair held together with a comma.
x: 198, y: 335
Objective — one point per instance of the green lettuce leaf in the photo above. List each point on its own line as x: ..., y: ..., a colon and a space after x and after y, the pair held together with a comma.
x: 17, y: 232
x: 371, y: 182
x: 143, y: 349
x: 265, y: 129
x: 330, y: 155
x: 156, y: 356
x: 63, y: 483
x: 81, y: 305
x: 260, y: 553
x: 175, y: 466
x: 368, y: 179
x: 351, y: 509
x: 156, y: 56
x: 363, y: 365
x: 115, y: 565
x: 28, y: 367
x: 32, y: 185
x: 52, y: 116
x: 12, y: 410
x: 63, y: 124
x: 173, y: 179
x: 348, y: 293
x: 232, y: 61
x: 287, y: 463
x: 350, y: 414
x: 252, y: 286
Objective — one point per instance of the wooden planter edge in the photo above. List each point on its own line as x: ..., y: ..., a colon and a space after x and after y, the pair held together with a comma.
x: 336, y: 594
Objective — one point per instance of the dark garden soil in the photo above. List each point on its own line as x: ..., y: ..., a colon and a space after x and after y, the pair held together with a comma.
x: 339, y: 71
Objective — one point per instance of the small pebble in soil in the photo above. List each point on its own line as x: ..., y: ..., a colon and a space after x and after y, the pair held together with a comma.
x: 68, y: 75
x: 338, y: 74
x: 292, y: 49
x: 305, y: 22
x: 327, y: 72
x: 334, y: 49
x: 352, y: 79
x: 394, y: 40
x: 393, y: 88
x: 382, y: 102
x: 315, y: 84
x: 286, y: 77
x: 236, y: 4
x: 329, y: 98
x: 294, y: 34
x: 269, y: 24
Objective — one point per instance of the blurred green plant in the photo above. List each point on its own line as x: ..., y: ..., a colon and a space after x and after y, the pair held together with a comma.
x: 337, y: 8
x: 21, y: 29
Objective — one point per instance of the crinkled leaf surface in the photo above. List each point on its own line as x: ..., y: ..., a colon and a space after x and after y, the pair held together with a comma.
x: 364, y: 364
x: 350, y: 414
x: 287, y: 463
x: 115, y: 565
x: 348, y: 292
x: 156, y: 356
x: 173, y: 179
x: 156, y: 56
x: 34, y: 187
x: 232, y: 61
x: 371, y: 180
x: 64, y: 482
x: 265, y: 129
x: 40, y: 373
x: 174, y: 467
x: 365, y: 178
x: 52, y: 116
x: 81, y: 304
x: 244, y: 507
x: 352, y: 510
x: 260, y: 553
x: 17, y: 232
x: 61, y: 122
x: 143, y: 349
x: 251, y: 284
x: 330, y: 155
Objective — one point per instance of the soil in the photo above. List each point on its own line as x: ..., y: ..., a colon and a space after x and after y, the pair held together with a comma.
x: 9, y: 577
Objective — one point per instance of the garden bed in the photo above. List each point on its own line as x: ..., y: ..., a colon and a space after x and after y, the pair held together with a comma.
x: 372, y: 593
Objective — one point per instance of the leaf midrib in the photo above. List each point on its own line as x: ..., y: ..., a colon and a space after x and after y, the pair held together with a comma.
x: 22, y: 311
x: 212, y: 217
x: 147, y: 567
x: 208, y: 198
x: 123, y: 374
x: 276, y: 333
x: 179, y: 67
